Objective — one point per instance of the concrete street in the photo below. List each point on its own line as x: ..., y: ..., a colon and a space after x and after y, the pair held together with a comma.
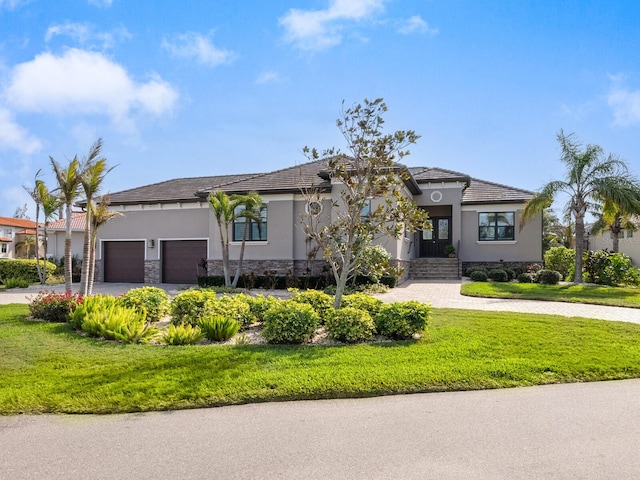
x: 574, y: 431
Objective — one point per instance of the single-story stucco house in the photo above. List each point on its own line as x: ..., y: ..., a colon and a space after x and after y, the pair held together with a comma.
x: 628, y: 242
x: 168, y: 232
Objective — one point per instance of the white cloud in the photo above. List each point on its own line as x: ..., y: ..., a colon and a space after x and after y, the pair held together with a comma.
x: 14, y: 137
x: 624, y: 103
x: 416, y: 24
x: 199, y: 47
x: 101, y: 3
x: 86, y: 36
x: 322, y: 29
x: 12, y: 4
x: 83, y: 82
x: 268, y: 77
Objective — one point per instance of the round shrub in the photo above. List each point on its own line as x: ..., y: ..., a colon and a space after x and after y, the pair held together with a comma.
x: 549, y: 277
x: 188, y: 307
x: 525, y: 278
x: 321, y: 302
x: 362, y: 301
x: 498, y: 275
x: 511, y: 273
x: 235, y: 307
x: 478, y: 276
x: 402, y: 320
x: 470, y: 270
x: 259, y: 304
x: 155, y: 300
x: 350, y: 325
x: 561, y: 259
x: 290, y: 322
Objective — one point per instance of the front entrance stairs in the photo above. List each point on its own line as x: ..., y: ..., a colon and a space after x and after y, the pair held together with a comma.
x: 435, y: 269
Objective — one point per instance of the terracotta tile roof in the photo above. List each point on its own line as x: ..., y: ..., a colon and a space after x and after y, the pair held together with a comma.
x: 17, y: 222
x: 77, y: 223
x: 293, y: 179
x: 27, y: 231
x: 4, y: 239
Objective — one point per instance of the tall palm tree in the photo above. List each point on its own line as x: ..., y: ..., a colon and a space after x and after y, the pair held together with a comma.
x: 50, y: 205
x: 68, y: 179
x: 100, y: 215
x: 36, y: 194
x: 589, y: 177
x: 92, y: 173
x: 228, y: 209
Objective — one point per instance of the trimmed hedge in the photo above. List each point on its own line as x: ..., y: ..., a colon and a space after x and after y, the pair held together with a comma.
x: 350, y: 325
x: 23, y: 268
x: 401, y: 320
x: 290, y: 322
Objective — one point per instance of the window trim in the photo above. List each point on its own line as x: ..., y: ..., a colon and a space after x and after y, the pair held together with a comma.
x: 494, y: 225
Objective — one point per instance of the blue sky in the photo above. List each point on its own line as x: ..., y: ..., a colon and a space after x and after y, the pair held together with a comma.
x: 194, y: 88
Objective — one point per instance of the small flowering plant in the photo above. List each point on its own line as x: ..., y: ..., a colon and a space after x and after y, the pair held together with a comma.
x: 54, y: 307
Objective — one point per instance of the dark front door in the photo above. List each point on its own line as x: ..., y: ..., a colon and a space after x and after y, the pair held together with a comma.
x: 432, y: 242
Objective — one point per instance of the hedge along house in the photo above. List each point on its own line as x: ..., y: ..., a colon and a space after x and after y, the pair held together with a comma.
x: 168, y: 233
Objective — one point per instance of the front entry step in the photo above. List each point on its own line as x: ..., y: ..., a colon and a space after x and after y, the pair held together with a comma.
x: 435, y: 269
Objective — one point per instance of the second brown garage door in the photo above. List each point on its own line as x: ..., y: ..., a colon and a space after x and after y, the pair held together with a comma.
x: 181, y: 259
x: 123, y: 261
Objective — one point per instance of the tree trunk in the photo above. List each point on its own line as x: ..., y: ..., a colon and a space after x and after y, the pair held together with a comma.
x: 616, y: 228
x: 67, y: 254
x: 86, y: 254
x: 579, y: 247
x: 43, y: 278
x: 92, y: 263
x: 341, y: 282
x: 239, y: 269
x: 38, y: 268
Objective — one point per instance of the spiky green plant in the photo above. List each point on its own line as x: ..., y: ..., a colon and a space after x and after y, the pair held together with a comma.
x: 219, y: 328
x: 182, y: 335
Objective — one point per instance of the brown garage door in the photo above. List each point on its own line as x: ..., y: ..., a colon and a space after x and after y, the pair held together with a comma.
x: 123, y: 261
x: 180, y: 259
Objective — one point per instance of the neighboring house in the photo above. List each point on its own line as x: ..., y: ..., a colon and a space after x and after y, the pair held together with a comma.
x: 628, y: 243
x: 13, y: 234
x: 56, y: 233
x: 168, y: 233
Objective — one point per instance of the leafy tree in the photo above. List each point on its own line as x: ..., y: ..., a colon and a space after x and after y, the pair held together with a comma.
x: 227, y: 209
x: 369, y: 173
x: 555, y: 233
x: 68, y: 179
x: 21, y: 212
x: 589, y: 177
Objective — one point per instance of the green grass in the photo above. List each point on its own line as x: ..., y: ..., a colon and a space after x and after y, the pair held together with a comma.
x: 597, y: 295
x: 49, y: 368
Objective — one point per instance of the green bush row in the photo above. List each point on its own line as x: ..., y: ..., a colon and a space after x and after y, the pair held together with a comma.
x: 24, y: 269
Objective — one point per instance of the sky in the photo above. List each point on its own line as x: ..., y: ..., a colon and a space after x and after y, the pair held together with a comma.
x: 199, y: 88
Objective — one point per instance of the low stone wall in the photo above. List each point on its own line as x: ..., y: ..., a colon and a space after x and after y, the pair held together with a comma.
x: 489, y: 265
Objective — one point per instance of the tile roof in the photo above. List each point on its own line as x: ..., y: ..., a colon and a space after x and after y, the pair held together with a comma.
x: 17, y: 222
x: 293, y: 179
x: 177, y: 190
x: 77, y: 223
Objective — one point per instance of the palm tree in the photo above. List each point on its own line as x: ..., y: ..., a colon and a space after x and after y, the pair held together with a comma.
x: 68, y: 179
x: 36, y: 194
x: 589, y: 178
x: 50, y: 205
x: 228, y: 209
x: 92, y: 173
x: 616, y: 218
x: 100, y: 215
x: 27, y: 245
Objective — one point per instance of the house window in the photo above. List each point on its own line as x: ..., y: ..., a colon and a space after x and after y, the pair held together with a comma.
x: 8, y: 232
x: 3, y: 249
x: 256, y: 232
x: 629, y: 233
x: 495, y: 226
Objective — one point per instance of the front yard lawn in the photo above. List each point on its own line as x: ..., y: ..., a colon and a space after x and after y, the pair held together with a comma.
x: 48, y: 367
x: 597, y: 295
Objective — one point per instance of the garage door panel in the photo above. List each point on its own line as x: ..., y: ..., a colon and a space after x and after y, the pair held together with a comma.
x: 123, y: 261
x: 181, y: 259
